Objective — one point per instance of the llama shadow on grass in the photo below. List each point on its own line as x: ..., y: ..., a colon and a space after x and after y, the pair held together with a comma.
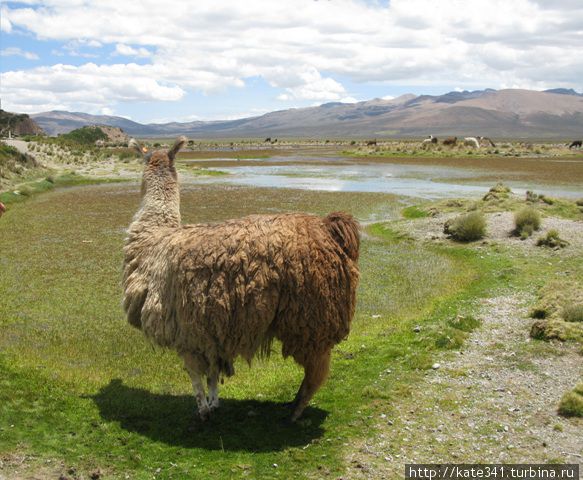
x: 238, y: 425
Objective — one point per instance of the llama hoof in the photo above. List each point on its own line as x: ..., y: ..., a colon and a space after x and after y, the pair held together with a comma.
x: 213, y: 406
x: 204, y: 414
x: 294, y: 417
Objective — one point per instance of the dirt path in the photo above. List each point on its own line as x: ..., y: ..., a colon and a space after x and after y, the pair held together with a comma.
x: 493, y: 402
x: 20, y: 145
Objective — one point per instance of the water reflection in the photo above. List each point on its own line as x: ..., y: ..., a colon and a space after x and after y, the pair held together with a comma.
x: 424, y: 181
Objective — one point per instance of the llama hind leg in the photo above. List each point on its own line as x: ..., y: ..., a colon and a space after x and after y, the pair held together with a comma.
x: 213, y: 385
x: 316, y: 370
x: 193, y: 369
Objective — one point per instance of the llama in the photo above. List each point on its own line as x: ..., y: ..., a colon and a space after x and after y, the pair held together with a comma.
x: 430, y: 140
x: 371, y: 143
x: 451, y: 141
x: 472, y: 142
x: 486, y: 142
x: 214, y: 292
x: 2, y: 209
x: 576, y: 144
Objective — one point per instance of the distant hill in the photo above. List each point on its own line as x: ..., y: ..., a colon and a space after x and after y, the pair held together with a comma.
x: 500, y: 113
x: 18, y: 124
x: 95, y: 134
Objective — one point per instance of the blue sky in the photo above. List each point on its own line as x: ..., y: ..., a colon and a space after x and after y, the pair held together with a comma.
x: 186, y: 60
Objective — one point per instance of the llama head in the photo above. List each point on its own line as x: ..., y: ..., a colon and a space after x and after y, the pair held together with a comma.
x: 159, y: 167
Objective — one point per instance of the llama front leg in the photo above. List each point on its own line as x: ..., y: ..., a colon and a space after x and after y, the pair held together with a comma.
x: 316, y: 370
x: 193, y: 370
x: 213, y: 386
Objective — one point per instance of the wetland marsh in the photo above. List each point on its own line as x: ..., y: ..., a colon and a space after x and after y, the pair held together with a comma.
x: 82, y: 391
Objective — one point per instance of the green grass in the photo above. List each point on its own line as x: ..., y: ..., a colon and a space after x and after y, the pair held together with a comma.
x: 413, y: 212
x: 573, y: 313
x: 82, y: 387
x: 28, y: 189
x: 204, y: 172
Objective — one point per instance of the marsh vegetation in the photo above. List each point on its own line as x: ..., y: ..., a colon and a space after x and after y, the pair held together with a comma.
x: 82, y: 391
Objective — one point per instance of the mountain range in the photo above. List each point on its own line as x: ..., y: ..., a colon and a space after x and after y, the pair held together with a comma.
x: 516, y: 113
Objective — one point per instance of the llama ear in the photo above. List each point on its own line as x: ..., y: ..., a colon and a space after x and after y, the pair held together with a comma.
x: 133, y: 143
x: 180, y: 142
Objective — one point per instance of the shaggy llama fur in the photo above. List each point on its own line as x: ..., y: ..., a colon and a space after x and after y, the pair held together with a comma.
x: 214, y: 292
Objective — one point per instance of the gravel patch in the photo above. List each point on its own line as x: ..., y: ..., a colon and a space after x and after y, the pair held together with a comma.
x: 495, y: 401
x: 499, y: 229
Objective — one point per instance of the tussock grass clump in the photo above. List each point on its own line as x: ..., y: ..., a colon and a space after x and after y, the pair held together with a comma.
x: 552, y: 240
x: 573, y: 313
x: 526, y: 221
x: 554, y: 329
x: 559, y: 311
x: 532, y: 197
x: 571, y: 404
x: 497, y: 192
x: 555, y: 297
x: 466, y: 228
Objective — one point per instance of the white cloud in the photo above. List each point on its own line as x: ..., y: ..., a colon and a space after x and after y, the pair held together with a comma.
x: 121, y: 49
x: 5, y: 25
x: 308, y: 84
x: 306, y: 49
x: 89, y: 87
x: 15, y: 51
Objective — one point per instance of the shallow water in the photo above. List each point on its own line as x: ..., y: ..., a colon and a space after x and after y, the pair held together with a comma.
x: 344, y: 174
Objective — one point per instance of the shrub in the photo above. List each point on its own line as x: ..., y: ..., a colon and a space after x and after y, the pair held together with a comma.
x: 526, y: 221
x: 571, y: 404
x: 531, y: 196
x: 84, y: 135
x: 573, y: 313
x: 466, y: 228
x: 552, y: 240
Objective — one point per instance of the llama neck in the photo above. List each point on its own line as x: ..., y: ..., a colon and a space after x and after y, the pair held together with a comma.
x: 160, y: 208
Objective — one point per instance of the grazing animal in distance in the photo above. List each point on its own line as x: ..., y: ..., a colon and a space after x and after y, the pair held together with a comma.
x: 371, y: 143
x: 485, y: 142
x: 576, y: 144
x: 472, y: 142
x: 430, y: 140
x: 267, y: 140
x: 451, y: 141
x: 214, y: 292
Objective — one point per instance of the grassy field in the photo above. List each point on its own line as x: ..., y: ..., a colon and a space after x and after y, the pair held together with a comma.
x: 83, y: 395
x: 81, y: 389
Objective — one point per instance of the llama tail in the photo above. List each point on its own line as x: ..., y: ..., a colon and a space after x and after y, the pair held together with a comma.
x: 345, y: 230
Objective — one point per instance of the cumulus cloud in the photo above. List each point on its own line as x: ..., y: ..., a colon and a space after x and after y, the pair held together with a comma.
x: 90, y: 87
x: 304, y: 48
